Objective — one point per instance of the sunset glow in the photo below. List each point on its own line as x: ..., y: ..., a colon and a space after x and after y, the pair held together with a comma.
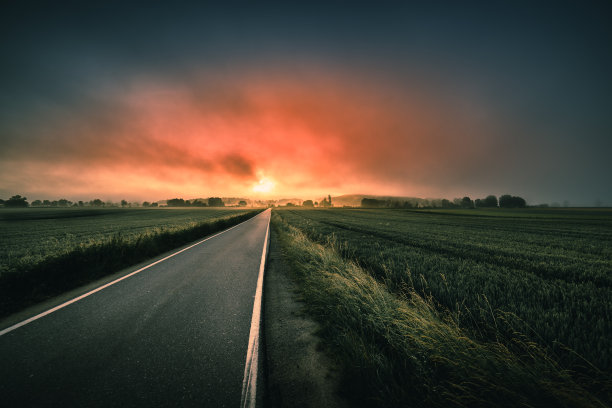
x: 263, y: 186
x: 396, y: 109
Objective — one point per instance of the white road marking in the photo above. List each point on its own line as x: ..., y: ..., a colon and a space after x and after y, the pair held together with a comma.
x: 249, y: 382
x: 43, y: 314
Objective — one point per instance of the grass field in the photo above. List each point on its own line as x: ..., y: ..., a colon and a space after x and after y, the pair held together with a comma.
x: 46, y: 251
x: 516, y: 287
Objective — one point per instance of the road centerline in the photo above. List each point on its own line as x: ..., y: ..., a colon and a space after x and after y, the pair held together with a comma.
x: 249, y: 382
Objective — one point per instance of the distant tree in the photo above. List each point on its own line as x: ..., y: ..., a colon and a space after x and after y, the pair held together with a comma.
x: 466, y: 202
x: 215, y: 202
x: 520, y: 202
x: 16, y: 201
x: 176, y: 202
x: 325, y: 203
x: 81, y: 203
x: 290, y: 205
x: 124, y: 203
x: 508, y: 201
x: 316, y: 203
x: 96, y: 203
x: 242, y: 203
x: 154, y: 204
x: 329, y: 200
x: 198, y: 203
x: 36, y: 203
x: 146, y: 204
x: 62, y: 202
x: 490, y: 201
x: 308, y: 203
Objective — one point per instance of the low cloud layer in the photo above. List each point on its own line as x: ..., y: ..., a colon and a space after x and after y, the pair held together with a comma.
x: 321, y: 132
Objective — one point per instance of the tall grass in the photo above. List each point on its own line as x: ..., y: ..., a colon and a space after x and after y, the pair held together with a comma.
x: 402, y: 350
x: 33, y: 281
x: 554, y: 272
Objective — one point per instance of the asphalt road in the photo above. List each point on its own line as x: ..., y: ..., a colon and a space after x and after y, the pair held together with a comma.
x: 175, y: 334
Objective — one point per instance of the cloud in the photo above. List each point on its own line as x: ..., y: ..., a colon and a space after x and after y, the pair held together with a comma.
x: 316, y: 132
x: 321, y: 131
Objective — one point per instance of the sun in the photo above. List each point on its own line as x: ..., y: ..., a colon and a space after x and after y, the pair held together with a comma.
x: 264, y: 185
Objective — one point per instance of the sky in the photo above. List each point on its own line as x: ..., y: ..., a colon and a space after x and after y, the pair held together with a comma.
x: 154, y: 100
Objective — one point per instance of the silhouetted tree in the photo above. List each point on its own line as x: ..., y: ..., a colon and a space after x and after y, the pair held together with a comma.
x: 62, y: 202
x: 96, y: 203
x: 16, y: 201
x: 466, y: 202
x: 124, y: 203
x: 36, y: 203
x: 242, y: 203
x: 176, y: 202
x: 508, y: 201
x: 490, y: 201
x: 308, y: 203
x: 215, y: 202
x: 199, y: 203
x: 325, y: 202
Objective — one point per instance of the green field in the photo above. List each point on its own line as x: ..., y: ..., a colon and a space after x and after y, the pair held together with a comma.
x: 46, y: 251
x: 512, y: 279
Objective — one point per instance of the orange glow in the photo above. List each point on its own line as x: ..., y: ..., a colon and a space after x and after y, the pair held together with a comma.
x: 313, y: 135
x: 264, y: 185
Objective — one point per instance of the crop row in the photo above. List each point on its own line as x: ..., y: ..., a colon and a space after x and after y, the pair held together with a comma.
x: 553, y: 275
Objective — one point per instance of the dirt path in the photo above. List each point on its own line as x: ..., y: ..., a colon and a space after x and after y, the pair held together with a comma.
x: 299, y: 374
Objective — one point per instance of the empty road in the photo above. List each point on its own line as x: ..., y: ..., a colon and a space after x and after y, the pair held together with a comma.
x: 174, y: 334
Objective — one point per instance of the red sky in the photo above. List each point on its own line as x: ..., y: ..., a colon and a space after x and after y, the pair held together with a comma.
x: 113, y: 100
x: 308, y: 135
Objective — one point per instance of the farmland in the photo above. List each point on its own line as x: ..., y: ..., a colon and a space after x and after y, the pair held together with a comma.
x: 46, y: 251
x: 514, y: 280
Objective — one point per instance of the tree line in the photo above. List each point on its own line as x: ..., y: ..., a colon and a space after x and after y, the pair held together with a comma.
x: 198, y: 202
x: 17, y: 201
x: 490, y: 201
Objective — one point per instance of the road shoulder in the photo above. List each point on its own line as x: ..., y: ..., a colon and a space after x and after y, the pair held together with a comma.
x: 299, y: 374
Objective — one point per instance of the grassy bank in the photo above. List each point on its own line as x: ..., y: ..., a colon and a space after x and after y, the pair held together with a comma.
x: 399, y: 348
x: 108, y: 242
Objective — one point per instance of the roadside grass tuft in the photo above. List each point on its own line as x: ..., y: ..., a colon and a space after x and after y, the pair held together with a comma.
x: 30, y: 282
x: 401, y: 349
